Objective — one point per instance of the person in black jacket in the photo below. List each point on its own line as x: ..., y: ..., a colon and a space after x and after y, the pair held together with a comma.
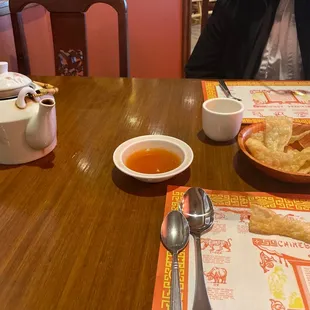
x: 254, y: 39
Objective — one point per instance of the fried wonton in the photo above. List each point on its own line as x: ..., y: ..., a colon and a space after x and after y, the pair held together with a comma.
x: 260, y: 135
x: 299, y: 137
x: 278, y: 132
x: 267, y: 222
x: 291, y: 161
x: 273, y: 147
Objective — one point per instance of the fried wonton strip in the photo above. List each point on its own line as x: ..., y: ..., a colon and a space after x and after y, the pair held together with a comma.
x: 305, y: 168
x: 291, y: 161
x: 258, y: 136
x: 278, y: 132
x: 306, y: 150
x: 266, y: 222
x: 299, y: 137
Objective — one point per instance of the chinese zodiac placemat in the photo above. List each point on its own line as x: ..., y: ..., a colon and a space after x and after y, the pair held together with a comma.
x: 242, y: 270
x: 267, y: 98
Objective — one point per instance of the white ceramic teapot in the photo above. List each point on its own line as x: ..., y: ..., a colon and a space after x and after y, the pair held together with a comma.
x: 27, y: 128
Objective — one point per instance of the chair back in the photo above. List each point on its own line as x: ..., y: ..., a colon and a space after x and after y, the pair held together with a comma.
x: 69, y: 34
x: 207, y: 6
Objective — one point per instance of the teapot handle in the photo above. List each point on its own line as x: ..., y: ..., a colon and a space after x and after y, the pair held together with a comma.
x: 20, y: 102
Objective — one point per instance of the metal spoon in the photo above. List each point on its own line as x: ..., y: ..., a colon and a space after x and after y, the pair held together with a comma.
x: 226, y: 90
x: 197, y: 207
x: 174, y: 235
x: 300, y: 92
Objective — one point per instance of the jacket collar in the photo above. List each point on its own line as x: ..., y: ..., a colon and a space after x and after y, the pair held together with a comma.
x: 260, y: 39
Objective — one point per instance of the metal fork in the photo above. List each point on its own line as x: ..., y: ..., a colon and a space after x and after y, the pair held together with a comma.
x: 227, y: 91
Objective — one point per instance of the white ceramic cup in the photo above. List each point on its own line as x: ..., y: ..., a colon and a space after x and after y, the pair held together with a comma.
x: 222, y: 118
x: 4, y: 67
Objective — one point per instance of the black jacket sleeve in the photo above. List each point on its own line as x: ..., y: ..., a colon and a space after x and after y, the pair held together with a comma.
x: 205, y: 61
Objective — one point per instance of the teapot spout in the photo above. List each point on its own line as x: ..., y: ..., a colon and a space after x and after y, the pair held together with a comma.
x: 41, y: 128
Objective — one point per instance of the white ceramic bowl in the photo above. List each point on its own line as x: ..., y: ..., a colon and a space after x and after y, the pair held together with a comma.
x: 171, y: 144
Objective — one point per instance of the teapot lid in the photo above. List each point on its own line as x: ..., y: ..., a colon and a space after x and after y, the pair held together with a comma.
x: 11, y: 82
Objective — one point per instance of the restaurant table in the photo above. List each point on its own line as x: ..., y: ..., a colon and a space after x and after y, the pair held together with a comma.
x: 76, y: 233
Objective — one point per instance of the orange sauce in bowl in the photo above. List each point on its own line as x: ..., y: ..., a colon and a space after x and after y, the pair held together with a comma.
x: 153, y: 160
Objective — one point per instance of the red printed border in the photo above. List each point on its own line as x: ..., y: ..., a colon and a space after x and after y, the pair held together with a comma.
x: 293, y: 202
x: 209, y: 92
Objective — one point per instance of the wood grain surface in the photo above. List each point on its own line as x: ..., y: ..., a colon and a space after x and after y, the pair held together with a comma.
x: 75, y: 233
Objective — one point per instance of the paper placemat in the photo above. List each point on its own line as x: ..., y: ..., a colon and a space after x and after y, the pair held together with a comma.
x: 242, y: 270
x: 266, y: 98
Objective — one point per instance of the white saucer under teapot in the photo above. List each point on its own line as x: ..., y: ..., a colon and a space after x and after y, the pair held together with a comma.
x: 28, y: 128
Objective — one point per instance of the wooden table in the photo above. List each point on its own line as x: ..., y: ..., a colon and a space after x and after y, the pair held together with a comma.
x: 75, y: 233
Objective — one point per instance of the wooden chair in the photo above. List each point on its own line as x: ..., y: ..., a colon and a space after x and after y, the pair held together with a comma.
x: 69, y: 34
x: 207, y: 5
x: 198, y: 14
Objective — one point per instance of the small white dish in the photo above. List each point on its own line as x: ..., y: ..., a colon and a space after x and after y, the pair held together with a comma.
x: 168, y: 143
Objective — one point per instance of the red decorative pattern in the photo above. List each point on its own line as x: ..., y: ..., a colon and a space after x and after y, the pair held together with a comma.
x: 217, y: 275
x: 276, y: 305
x: 216, y: 246
x: 266, y: 262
